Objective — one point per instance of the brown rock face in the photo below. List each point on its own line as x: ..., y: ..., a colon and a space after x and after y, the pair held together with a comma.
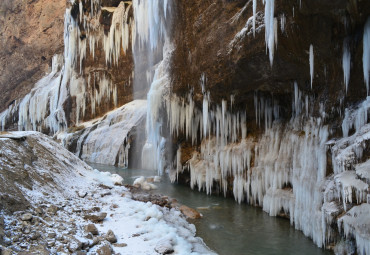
x: 31, y: 32
x: 208, y: 40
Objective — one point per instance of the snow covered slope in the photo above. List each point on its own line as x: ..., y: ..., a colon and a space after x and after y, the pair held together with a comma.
x: 60, y: 194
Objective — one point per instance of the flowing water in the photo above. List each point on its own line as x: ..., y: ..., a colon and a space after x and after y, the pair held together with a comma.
x: 228, y: 227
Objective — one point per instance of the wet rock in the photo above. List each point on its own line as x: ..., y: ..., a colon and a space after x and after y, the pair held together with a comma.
x: 190, y: 212
x: 26, y: 217
x: 111, y: 237
x: 96, y: 217
x: 104, y: 249
x: 164, y: 247
x: 91, y: 228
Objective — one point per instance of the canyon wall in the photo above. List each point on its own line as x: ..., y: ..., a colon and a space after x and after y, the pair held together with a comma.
x: 265, y: 101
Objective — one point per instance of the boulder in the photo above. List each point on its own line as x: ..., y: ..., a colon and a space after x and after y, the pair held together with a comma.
x: 91, y: 228
x: 104, y: 249
x: 190, y: 212
x: 111, y: 237
x: 96, y: 217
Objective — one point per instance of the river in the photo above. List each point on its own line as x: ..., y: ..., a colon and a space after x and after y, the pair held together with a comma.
x: 228, y: 227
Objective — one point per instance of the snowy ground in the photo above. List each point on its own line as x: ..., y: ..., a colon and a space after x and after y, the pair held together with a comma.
x: 65, y: 195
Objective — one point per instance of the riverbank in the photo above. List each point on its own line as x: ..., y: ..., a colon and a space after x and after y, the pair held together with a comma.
x: 52, y: 202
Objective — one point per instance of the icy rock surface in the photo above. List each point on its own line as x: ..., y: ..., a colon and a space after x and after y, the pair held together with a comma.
x: 107, y: 140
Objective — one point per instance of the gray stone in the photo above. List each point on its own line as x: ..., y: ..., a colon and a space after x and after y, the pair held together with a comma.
x: 111, y: 237
x: 26, y: 217
x: 96, y: 217
x: 91, y: 228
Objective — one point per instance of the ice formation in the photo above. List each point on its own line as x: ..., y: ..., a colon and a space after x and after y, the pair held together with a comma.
x: 346, y: 63
x: 356, y: 222
x: 43, y: 108
x: 311, y: 63
x: 366, y: 54
x: 107, y: 140
x: 151, y: 29
x: 356, y: 118
x: 270, y: 28
x: 282, y: 22
x: 254, y: 16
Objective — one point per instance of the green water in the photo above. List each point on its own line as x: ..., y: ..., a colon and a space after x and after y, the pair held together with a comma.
x: 227, y: 227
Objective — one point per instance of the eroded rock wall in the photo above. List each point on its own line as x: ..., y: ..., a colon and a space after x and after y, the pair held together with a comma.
x: 31, y: 32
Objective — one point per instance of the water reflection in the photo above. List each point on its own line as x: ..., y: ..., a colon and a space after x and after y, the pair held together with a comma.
x: 230, y: 228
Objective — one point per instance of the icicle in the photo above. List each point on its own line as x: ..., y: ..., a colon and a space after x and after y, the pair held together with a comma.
x: 270, y: 28
x: 282, y: 22
x: 366, y: 54
x: 254, y: 17
x: 346, y: 63
x: 311, y: 63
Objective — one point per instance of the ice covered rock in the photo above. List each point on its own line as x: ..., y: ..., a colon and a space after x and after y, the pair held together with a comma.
x: 164, y: 246
x: 142, y: 183
x: 356, y: 223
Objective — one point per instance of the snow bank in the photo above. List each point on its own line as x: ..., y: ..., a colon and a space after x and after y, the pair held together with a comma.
x: 59, y: 178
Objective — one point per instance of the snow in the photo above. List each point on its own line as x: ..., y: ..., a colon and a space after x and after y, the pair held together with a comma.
x: 348, y: 183
x: 356, y: 118
x: 356, y: 223
x: 248, y: 29
x: 363, y: 171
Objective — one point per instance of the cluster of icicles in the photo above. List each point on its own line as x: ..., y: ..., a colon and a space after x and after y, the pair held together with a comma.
x: 284, y: 170
x: 43, y: 108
